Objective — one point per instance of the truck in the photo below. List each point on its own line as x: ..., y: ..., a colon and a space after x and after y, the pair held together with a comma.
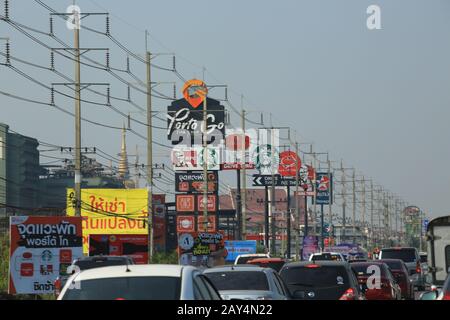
x: 438, y: 250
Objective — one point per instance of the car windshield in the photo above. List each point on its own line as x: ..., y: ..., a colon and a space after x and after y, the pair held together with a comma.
x: 125, y: 288
x: 98, y: 263
x: 407, y: 255
x: 322, y: 276
x: 326, y: 257
x: 239, y: 280
x: 423, y: 258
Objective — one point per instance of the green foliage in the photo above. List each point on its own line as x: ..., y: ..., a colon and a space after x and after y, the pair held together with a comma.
x: 260, y: 248
x: 4, y: 262
x: 165, y: 258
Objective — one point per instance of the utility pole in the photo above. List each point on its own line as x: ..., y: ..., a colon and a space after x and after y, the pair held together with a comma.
x: 149, y: 158
x: 244, y: 180
x: 344, y: 204
x: 363, y: 231
x: 77, y: 52
x: 205, y: 159
x: 371, y: 215
x: 354, y: 206
x: 77, y: 18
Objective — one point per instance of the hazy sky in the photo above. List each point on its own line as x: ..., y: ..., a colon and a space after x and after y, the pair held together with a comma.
x: 377, y: 99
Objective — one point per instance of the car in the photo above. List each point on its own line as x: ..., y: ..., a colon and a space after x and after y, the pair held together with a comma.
x: 86, y: 263
x: 386, y: 289
x: 321, y: 280
x: 139, y: 282
x: 274, y: 263
x: 401, y: 275
x: 327, y: 256
x: 438, y: 249
x: 244, y: 258
x: 437, y: 293
x: 247, y: 282
x: 411, y: 258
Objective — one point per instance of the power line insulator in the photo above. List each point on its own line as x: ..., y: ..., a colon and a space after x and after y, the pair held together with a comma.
x: 174, y: 90
x: 107, y: 60
x: 129, y: 93
x: 6, y: 9
x: 51, y: 26
x: 52, y: 60
x: 52, y: 98
x: 8, y: 53
x: 128, y: 64
x: 174, y: 63
x: 108, y: 95
x: 108, y: 33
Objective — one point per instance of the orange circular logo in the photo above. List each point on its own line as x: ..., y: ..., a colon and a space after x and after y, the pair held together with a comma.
x: 195, y: 91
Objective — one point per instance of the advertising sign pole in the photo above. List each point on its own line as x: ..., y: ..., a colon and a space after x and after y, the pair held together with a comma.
x: 321, y: 227
x: 239, y: 205
x: 330, y: 217
x: 205, y: 158
x: 288, y: 223
x: 297, y: 213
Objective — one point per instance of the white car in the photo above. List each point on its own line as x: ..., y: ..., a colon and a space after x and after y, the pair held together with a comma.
x: 244, y: 258
x: 327, y: 256
x: 139, y: 282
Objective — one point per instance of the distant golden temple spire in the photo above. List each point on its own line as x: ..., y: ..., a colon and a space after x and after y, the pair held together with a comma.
x: 124, y: 172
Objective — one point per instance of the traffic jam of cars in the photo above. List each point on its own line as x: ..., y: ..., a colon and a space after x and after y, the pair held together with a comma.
x: 398, y: 273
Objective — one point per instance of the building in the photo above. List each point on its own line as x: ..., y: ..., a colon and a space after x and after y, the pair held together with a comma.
x: 19, y: 172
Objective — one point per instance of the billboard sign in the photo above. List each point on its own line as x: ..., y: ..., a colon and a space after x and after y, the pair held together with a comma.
x: 135, y: 246
x: 324, y: 188
x: 279, y: 181
x: 191, y: 159
x: 185, y: 224
x: 266, y: 158
x: 195, y: 248
x: 185, y: 202
x: 211, y: 203
x: 290, y: 163
x: 237, y: 155
x: 194, y: 182
x: 110, y: 211
x: 41, y: 249
x: 310, y: 246
x: 236, y: 248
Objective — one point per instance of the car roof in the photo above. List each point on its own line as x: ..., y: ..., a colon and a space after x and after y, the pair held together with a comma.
x: 267, y: 260
x: 319, y: 262
x: 326, y: 252
x: 253, y: 255
x: 237, y: 268
x: 159, y: 270
x: 399, y: 248
x: 84, y: 258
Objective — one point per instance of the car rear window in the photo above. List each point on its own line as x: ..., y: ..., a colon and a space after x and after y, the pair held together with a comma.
x: 326, y: 257
x: 407, y: 255
x: 126, y: 288
x: 91, y: 264
x: 362, y: 269
x: 239, y: 280
x: 322, y: 276
x: 394, y: 265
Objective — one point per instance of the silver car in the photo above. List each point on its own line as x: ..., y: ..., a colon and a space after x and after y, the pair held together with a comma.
x: 247, y: 282
x: 139, y: 282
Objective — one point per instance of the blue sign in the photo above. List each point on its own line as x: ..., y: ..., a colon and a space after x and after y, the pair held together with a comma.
x: 310, y: 246
x: 236, y: 248
x: 324, y: 188
x: 425, y: 225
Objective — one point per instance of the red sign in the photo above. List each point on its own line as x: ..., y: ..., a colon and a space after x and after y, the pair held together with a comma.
x: 185, y: 203
x: 135, y: 246
x: 290, y: 164
x: 234, y: 142
x: 212, y: 226
x: 211, y: 206
x: 185, y: 224
x: 195, y: 91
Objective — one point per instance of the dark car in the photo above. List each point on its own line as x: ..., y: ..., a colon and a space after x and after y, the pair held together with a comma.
x: 383, y: 288
x: 411, y: 258
x: 401, y: 275
x: 321, y: 280
x: 86, y: 263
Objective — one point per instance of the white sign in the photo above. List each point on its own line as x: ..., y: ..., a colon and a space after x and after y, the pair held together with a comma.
x: 191, y: 159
